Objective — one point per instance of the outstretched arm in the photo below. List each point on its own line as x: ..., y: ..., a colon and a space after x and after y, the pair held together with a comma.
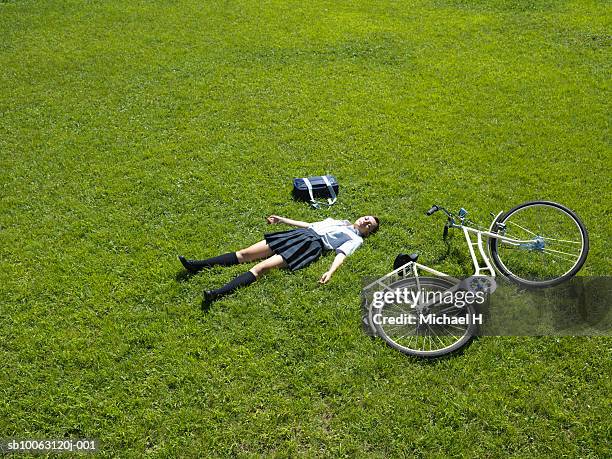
x: 287, y: 221
x: 338, y: 260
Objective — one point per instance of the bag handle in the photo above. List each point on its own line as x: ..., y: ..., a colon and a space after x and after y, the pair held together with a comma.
x: 330, y: 201
x: 313, y: 202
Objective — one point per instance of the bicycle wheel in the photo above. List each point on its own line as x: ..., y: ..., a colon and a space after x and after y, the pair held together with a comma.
x: 554, y: 244
x: 416, y: 336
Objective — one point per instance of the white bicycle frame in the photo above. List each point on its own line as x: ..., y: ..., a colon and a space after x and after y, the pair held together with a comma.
x: 412, y: 268
x: 407, y: 277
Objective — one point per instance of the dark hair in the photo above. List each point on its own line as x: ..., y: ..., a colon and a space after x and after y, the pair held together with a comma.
x: 377, y: 225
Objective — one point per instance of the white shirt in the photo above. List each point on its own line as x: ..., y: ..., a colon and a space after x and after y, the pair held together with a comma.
x: 338, y: 235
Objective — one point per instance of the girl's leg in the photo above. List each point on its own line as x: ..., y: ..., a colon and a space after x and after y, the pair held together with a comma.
x: 244, y: 279
x: 252, y: 253
x: 263, y: 267
x: 227, y: 259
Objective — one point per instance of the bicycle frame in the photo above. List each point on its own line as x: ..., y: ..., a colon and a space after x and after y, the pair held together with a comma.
x: 405, y: 291
x: 412, y: 268
x: 529, y: 244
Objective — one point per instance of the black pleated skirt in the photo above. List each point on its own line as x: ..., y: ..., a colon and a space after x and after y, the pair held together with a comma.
x: 298, y: 247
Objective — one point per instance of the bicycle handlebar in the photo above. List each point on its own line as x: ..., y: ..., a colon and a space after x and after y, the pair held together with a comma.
x: 433, y: 209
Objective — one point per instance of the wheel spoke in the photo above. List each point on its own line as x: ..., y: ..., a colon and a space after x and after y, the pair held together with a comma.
x: 425, y: 339
x: 559, y: 252
x: 524, y: 229
x: 560, y: 256
x: 561, y: 240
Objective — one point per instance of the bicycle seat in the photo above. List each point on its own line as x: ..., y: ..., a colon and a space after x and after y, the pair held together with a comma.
x: 404, y: 258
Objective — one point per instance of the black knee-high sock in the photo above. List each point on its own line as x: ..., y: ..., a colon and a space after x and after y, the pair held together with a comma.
x: 227, y: 259
x: 241, y: 281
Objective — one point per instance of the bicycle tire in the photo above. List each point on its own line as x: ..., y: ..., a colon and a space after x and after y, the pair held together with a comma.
x: 509, y: 265
x: 456, y: 344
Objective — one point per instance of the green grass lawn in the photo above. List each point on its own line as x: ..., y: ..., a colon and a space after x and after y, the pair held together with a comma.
x: 131, y: 132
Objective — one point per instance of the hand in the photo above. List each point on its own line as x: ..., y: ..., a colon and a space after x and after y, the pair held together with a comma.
x: 325, y: 278
x: 273, y: 219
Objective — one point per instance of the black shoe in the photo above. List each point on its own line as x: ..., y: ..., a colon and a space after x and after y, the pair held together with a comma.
x: 403, y: 258
x: 207, y: 299
x: 189, y: 264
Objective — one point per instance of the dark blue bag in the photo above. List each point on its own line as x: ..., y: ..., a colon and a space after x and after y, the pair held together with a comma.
x: 310, y: 188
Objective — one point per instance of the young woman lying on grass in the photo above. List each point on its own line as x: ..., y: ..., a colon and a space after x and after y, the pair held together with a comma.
x: 293, y: 249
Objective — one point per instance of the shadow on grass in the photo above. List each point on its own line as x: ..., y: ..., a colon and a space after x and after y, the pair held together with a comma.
x: 205, y: 306
x: 453, y: 251
x: 184, y: 275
